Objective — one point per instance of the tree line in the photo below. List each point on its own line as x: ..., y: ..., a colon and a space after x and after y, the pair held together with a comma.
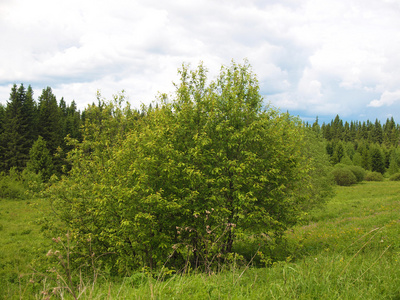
x: 370, y: 145
x: 47, y: 122
x: 27, y: 125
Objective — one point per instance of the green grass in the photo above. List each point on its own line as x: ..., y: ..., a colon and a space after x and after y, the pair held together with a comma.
x: 20, y: 243
x: 348, y: 250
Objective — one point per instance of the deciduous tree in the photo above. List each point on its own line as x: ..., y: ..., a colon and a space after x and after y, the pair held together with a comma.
x: 190, y: 175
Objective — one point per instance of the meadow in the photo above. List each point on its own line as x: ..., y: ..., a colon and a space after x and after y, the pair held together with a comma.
x: 350, y: 249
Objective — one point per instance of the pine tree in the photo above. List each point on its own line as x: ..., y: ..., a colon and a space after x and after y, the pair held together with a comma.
x: 377, y: 161
x: 326, y: 131
x: 377, y: 133
x: 357, y: 159
x: 365, y: 159
x: 363, y: 131
x: 386, y: 156
x: 370, y: 129
x: 2, y: 113
x: 338, y: 153
x: 353, y: 131
x: 49, y: 125
x: 316, y: 127
x: 330, y: 147
x: 394, y: 162
x: 19, y: 129
x: 387, y: 131
x: 337, y: 128
x: 40, y: 159
x: 346, y: 132
x: 73, y: 121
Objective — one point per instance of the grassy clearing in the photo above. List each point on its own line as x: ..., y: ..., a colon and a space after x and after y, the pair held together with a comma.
x: 349, y: 250
x: 21, y: 243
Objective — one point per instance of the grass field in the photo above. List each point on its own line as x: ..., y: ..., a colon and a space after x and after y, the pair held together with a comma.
x: 348, y: 250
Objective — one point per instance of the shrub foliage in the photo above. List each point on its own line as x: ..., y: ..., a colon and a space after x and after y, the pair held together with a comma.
x: 181, y: 181
x: 358, y: 171
x: 344, y: 176
x: 374, y: 176
x: 395, y: 177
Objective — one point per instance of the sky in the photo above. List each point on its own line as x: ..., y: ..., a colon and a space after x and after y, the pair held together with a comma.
x: 312, y: 57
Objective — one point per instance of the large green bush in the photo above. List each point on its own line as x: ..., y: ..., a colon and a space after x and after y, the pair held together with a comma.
x: 182, y: 181
x: 11, y: 186
x: 16, y: 185
x: 374, y: 176
x: 344, y: 176
x: 395, y: 177
x: 359, y: 172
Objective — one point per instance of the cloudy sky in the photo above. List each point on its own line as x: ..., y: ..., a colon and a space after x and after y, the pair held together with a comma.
x: 312, y: 57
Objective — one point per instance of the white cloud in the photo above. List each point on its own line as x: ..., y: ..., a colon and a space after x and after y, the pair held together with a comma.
x: 322, y: 57
x: 387, y: 98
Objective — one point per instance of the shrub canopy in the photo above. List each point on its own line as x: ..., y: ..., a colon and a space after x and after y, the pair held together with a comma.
x: 186, y: 177
x: 374, y: 176
x: 344, y: 176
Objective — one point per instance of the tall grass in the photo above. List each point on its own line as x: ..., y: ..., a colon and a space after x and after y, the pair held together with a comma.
x: 348, y: 250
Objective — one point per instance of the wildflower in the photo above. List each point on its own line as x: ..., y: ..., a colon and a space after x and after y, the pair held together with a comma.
x: 49, y: 253
x: 56, y: 240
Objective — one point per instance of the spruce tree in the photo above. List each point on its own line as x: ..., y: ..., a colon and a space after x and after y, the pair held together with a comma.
x: 330, y: 147
x: 377, y: 160
x: 357, y: 159
x: 19, y: 129
x: 364, y: 131
x: 377, y: 133
x: 353, y: 131
x: 338, y: 153
x: 73, y: 121
x: 40, y: 159
x: 2, y: 113
x: 326, y: 131
x: 337, y: 128
x: 346, y: 132
x: 49, y: 125
x: 365, y: 159
x: 394, y: 162
x: 316, y: 127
